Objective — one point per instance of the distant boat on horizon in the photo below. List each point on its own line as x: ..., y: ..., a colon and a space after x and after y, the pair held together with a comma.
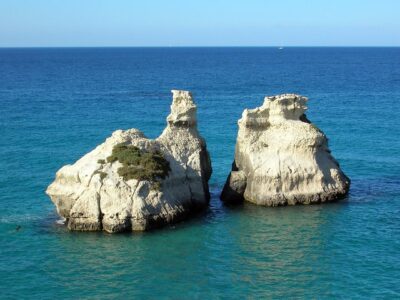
x: 280, y: 48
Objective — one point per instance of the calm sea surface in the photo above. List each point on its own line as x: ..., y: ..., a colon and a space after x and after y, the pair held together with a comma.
x: 58, y: 104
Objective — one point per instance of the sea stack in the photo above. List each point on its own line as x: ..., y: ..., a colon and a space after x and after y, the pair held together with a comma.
x: 134, y: 183
x: 281, y: 158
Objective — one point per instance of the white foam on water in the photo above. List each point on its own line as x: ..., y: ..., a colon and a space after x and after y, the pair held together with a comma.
x: 61, y: 221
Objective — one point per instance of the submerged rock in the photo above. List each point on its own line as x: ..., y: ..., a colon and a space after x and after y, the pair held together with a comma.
x: 133, y: 183
x: 281, y: 158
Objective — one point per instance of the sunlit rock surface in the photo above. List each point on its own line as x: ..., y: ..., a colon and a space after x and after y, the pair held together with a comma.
x: 91, y: 195
x: 281, y: 158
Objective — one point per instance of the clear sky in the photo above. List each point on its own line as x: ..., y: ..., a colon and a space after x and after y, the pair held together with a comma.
x: 199, y: 23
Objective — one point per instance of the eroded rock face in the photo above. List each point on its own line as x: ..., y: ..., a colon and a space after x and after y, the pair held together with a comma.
x: 91, y: 195
x: 281, y: 158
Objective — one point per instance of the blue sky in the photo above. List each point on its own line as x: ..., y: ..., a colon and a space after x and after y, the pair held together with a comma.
x: 199, y: 23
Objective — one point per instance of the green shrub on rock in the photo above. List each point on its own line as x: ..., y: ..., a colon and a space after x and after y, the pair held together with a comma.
x: 102, y: 174
x: 138, y: 164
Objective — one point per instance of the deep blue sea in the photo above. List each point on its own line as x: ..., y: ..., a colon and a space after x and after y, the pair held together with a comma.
x: 57, y: 104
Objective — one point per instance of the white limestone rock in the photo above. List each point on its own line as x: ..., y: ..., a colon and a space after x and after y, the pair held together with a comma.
x: 281, y: 158
x: 91, y: 195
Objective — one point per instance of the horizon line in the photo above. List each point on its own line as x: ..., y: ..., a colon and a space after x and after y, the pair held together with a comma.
x: 211, y: 46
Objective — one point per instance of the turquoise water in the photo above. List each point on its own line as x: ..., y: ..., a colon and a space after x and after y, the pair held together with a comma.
x: 58, y: 104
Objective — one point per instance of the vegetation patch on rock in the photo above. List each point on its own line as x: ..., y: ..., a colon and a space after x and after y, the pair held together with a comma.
x: 102, y: 174
x: 138, y: 164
